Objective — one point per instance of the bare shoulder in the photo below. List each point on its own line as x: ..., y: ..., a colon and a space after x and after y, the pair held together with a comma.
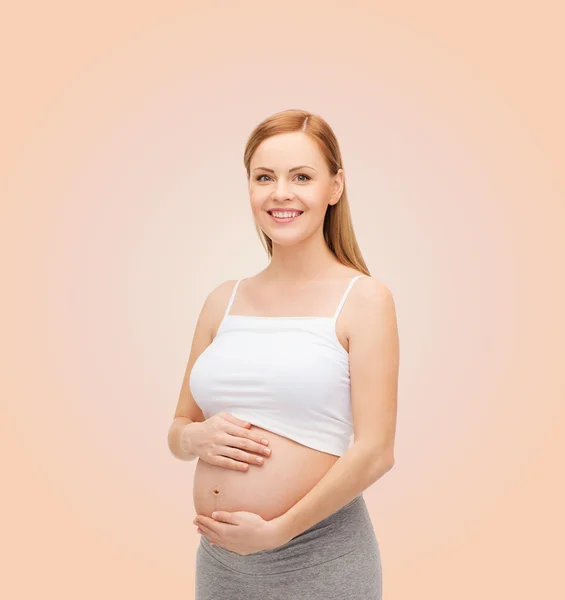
x: 369, y: 289
x: 221, y: 292
x: 371, y: 304
x: 215, y: 305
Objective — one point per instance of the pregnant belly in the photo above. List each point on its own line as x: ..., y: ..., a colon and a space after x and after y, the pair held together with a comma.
x: 268, y: 490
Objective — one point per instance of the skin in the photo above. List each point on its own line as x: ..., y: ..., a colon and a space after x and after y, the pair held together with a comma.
x: 301, y: 257
x: 300, y: 253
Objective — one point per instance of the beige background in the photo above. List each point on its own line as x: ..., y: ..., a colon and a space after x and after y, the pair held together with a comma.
x: 124, y: 202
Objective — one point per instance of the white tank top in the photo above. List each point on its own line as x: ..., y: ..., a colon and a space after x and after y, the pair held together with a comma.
x: 289, y: 375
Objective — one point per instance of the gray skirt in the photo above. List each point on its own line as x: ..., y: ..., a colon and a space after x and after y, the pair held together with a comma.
x: 338, y: 558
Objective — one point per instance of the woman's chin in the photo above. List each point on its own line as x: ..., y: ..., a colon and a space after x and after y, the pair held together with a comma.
x: 285, y: 237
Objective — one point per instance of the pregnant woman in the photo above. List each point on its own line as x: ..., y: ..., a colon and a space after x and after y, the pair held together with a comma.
x: 290, y: 393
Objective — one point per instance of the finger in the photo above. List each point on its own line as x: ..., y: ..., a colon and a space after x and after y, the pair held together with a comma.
x: 208, y: 524
x: 242, y: 447
x: 219, y: 528
x: 229, y: 417
x: 229, y: 463
x: 207, y: 531
x: 246, y: 434
x: 224, y: 517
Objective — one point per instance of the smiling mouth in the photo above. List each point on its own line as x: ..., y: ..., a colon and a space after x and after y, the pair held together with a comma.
x: 284, y: 216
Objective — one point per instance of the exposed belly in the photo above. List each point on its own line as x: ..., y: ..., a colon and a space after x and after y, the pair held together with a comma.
x: 268, y: 490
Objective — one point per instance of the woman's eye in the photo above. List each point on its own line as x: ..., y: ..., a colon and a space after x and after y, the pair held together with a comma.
x: 258, y: 178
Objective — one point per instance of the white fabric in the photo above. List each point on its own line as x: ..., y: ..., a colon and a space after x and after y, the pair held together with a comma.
x: 288, y: 375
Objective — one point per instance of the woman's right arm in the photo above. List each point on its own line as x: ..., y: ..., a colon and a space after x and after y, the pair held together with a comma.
x: 187, y: 414
x: 179, y: 438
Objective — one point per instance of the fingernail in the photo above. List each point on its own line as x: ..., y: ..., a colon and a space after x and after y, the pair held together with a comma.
x: 265, y: 441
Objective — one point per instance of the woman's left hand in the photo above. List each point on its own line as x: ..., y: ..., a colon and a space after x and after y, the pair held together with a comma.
x: 241, y: 531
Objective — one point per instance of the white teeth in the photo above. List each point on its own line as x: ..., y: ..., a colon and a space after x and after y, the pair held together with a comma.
x: 283, y: 215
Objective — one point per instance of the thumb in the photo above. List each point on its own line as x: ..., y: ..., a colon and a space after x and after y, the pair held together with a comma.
x: 224, y: 517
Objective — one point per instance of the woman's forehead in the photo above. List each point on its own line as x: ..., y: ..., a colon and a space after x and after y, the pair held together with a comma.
x: 287, y: 151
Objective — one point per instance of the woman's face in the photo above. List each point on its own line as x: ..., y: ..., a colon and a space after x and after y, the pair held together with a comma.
x: 276, y: 184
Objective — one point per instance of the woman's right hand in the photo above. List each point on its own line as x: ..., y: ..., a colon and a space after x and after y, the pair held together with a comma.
x: 225, y: 441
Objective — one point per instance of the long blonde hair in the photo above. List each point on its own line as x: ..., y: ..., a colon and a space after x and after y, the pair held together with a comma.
x: 338, y: 228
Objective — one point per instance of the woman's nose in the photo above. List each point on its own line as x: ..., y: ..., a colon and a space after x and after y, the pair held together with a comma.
x: 282, y: 192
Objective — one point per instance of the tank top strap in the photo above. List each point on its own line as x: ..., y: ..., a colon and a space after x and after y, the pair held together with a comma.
x: 232, y: 297
x: 344, y: 297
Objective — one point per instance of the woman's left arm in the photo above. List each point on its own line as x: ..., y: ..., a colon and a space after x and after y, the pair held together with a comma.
x: 374, y: 364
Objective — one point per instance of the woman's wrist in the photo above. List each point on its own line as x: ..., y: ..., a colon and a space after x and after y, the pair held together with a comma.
x: 185, y: 441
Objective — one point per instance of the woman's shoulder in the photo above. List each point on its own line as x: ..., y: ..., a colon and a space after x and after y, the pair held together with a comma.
x: 221, y: 292
x: 215, y: 304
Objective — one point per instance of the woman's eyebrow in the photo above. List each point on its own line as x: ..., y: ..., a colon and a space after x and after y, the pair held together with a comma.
x: 290, y: 170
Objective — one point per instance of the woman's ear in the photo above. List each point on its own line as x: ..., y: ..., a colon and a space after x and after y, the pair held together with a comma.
x: 337, y: 186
